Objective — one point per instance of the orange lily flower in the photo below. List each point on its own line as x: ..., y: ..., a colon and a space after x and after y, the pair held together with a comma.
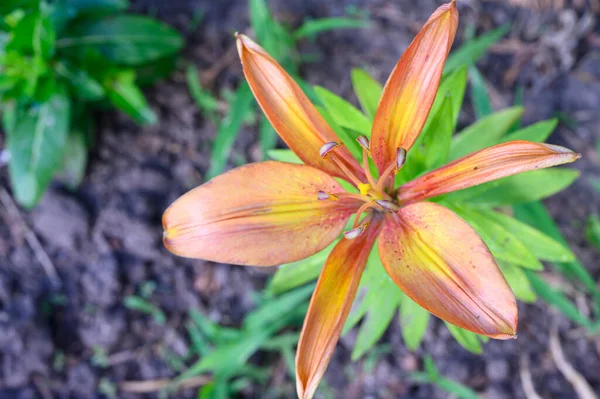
x: 270, y: 213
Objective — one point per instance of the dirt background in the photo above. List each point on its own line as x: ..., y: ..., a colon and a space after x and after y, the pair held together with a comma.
x: 104, y: 241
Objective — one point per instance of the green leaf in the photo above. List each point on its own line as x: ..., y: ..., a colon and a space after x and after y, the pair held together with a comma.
x: 343, y: 113
x: 74, y: 160
x: 382, y: 305
x: 592, y: 231
x: 479, y: 94
x: 467, y: 339
x: 521, y: 188
x: 432, y: 376
x: 453, y: 85
x: 535, y: 214
x: 284, y: 156
x: 474, y: 49
x: 276, y: 309
x: 501, y: 242
x: 84, y: 86
x: 300, y: 272
x: 557, y: 299
x: 131, y: 40
x: 540, y: 244
x: 124, y: 94
x: 414, y: 320
x: 204, y: 100
x: 518, y: 281
x: 139, y: 304
x: 229, y: 129
x: 348, y: 139
x: 267, y: 136
x: 316, y: 26
x: 36, y: 141
x: 438, y: 137
x: 538, y: 132
x: 484, y: 133
x: 33, y: 35
x: 368, y: 91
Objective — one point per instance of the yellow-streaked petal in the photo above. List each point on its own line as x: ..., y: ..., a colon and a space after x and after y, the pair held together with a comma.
x: 329, y: 308
x: 291, y: 113
x: 489, y: 164
x: 411, y: 88
x: 260, y: 214
x: 439, y: 261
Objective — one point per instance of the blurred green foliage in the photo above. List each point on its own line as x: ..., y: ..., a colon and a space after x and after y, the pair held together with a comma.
x: 59, y: 59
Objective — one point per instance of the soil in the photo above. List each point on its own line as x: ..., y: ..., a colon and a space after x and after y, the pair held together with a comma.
x: 72, y: 337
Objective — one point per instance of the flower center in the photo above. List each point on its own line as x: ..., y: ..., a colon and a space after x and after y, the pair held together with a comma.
x: 373, y: 192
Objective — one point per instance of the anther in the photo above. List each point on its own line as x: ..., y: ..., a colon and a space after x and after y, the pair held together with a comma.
x: 356, y: 232
x: 323, y: 196
x: 388, y: 205
x: 400, y: 158
x: 328, y: 147
x: 364, y: 143
x: 364, y: 188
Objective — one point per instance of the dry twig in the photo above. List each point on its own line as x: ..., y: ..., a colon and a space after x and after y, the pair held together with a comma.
x: 579, y: 383
x: 31, y: 238
x: 157, y: 385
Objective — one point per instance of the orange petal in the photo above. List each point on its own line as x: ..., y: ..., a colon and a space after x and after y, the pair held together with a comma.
x: 290, y: 112
x: 489, y: 164
x: 329, y: 308
x: 411, y: 88
x: 261, y: 214
x: 439, y: 261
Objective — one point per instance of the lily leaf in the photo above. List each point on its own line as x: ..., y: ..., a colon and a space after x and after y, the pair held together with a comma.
x: 284, y: 156
x: 413, y: 320
x: 540, y: 244
x: 467, y: 339
x: 301, y: 272
x: 474, y: 49
x: 315, y: 26
x: 485, y: 132
x: 501, y: 242
x: 538, y: 132
x: 518, y: 281
x: 519, y: 189
x: 343, y: 113
x: 367, y: 90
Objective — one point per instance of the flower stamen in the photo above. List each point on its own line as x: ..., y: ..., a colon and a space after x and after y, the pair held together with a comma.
x: 388, y: 205
x: 395, y: 167
x: 326, y: 152
x: 323, y: 196
x: 356, y: 232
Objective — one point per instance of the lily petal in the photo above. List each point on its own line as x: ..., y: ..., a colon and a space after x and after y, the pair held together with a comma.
x: 260, y: 214
x: 329, y: 308
x: 291, y: 113
x: 411, y: 88
x: 489, y: 164
x: 439, y: 261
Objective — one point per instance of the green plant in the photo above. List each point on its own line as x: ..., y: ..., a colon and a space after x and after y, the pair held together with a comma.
x: 519, y: 246
x: 281, y: 41
x: 223, y: 352
x: 59, y: 59
x: 431, y: 375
